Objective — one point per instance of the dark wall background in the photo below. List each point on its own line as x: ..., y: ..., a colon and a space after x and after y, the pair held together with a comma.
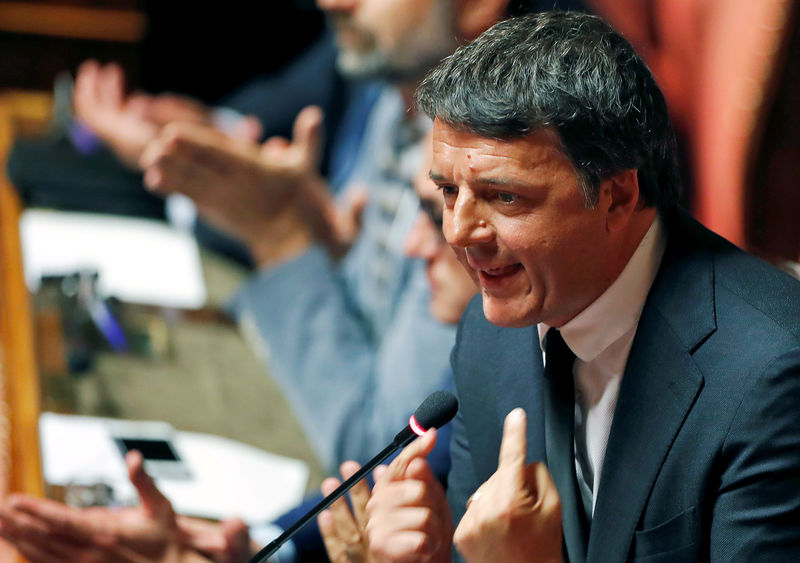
x: 202, y: 49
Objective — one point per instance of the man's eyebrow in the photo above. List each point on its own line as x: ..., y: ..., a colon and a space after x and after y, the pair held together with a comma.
x: 436, y: 177
x: 496, y: 181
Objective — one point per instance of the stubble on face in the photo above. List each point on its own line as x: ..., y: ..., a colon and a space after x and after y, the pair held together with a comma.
x: 396, y: 40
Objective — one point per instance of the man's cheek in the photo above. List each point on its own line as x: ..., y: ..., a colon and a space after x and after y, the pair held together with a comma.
x: 461, y: 254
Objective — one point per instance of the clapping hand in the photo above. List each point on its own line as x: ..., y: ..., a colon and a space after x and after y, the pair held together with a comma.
x: 45, y: 531
x: 271, y: 197
x: 343, y: 527
x: 127, y: 123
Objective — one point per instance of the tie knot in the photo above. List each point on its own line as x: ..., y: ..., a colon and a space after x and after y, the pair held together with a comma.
x: 557, y: 355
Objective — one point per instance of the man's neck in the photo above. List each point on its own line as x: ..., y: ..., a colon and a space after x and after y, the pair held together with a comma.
x: 618, y: 308
x: 628, y: 243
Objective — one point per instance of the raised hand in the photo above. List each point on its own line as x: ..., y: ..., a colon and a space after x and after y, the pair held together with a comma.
x: 127, y: 123
x: 343, y: 528
x: 102, y: 105
x: 225, y: 542
x: 270, y: 197
x: 45, y: 531
x: 516, y: 514
x: 408, y: 515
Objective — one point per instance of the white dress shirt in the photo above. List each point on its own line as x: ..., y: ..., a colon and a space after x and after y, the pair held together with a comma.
x: 601, y: 336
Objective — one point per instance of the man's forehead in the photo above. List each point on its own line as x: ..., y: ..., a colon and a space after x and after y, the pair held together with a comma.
x: 456, y: 146
x: 443, y: 130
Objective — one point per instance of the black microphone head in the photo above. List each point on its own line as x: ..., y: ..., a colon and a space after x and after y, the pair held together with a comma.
x: 436, y: 410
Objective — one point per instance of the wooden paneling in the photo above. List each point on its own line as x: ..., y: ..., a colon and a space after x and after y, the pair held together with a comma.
x: 74, y: 22
x: 20, y: 465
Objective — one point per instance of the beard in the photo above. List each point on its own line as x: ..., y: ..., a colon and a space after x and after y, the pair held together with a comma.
x: 363, y: 65
x: 409, y: 59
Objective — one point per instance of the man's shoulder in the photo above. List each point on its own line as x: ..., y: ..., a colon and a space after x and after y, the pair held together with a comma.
x: 746, y: 292
x: 755, y: 288
x: 768, y: 291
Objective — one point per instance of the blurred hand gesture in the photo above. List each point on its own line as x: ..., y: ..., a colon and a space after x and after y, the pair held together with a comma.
x: 344, y: 529
x: 271, y: 197
x: 45, y: 531
x: 127, y: 123
x: 102, y: 105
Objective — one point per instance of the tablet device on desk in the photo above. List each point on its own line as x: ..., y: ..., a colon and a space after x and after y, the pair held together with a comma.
x: 154, y: 442
x: 201, y: 474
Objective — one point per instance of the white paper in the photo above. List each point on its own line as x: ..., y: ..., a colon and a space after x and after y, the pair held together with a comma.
x: 228, y: 478
x: 139, y: 260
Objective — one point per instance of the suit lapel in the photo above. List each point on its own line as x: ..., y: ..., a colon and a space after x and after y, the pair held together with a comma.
x: 658, y: 390
x: 501, y: 370
x: 659, y: 387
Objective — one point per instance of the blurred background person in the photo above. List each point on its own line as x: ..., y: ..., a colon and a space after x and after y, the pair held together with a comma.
x: 357, y: 329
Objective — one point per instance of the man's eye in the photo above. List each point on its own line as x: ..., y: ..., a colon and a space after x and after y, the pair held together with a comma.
x: 449, y: 190
x: 506, y: 197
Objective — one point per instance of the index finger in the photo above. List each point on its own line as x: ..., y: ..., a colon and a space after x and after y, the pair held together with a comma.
x: 420, y: 447
x: 514, y: 443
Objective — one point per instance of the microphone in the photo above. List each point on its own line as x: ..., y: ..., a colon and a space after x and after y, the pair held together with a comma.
x: 435, y: 411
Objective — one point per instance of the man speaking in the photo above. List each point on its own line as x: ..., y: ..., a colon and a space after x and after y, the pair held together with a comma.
x: 666, y: 407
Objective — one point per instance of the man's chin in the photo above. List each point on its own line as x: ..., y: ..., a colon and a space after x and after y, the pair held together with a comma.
x: 507, y: 314
x: 362, y: 65
x: 376, y: 65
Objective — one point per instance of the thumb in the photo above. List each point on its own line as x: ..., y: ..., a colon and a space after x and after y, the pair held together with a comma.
x: 137, y: 104
x: 350, y: 213
x: 357, y: 200
x: 153, y: 502
x: 542, y: 487
x: 307, y: 136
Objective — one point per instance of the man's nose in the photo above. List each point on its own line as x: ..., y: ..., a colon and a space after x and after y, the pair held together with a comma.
x: 422, y: 241
x: 337, y: 5
x: 466, y: 225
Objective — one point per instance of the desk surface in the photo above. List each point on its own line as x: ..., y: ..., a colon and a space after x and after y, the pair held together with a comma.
x: 210, y: 381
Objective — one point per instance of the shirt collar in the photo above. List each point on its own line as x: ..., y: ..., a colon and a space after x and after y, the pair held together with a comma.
x: 618, y: 309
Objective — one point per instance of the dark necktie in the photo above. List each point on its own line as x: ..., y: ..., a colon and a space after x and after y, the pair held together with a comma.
x: 559, y: 440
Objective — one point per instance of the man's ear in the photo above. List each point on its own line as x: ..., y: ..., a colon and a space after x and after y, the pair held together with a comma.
x: 621, y: 195
x: 473, y: 17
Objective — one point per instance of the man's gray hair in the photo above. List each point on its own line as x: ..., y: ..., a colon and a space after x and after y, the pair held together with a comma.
x: 567, y: 71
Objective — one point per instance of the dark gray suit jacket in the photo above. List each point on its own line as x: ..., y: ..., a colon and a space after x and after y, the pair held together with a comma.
x: 703, y: 459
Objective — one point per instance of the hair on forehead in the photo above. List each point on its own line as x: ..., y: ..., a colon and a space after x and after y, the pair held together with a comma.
x: 570, y: 72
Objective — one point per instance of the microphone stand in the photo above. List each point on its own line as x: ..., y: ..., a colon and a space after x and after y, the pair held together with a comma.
x: 401, y: 440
